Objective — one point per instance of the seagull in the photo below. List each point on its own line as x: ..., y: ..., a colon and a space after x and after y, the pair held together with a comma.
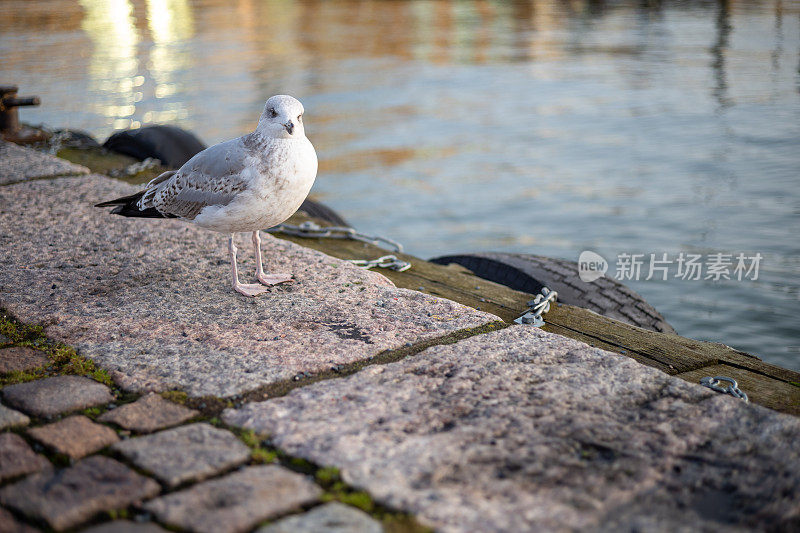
x: 242, y: 185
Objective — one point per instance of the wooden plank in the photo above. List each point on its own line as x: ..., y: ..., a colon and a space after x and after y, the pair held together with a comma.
x: 760, y: 389
x: 740, y: 359
x: 603, y: 345
x: 661, y: 347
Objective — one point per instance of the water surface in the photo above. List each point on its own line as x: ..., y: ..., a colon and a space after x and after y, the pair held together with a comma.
x: 547, y: 127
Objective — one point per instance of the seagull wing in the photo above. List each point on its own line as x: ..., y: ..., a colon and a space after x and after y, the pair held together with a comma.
x: 212, y: 177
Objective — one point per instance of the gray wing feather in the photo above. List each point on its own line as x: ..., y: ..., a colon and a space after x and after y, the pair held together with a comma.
x: 223, y: 159
x: 212, y: 177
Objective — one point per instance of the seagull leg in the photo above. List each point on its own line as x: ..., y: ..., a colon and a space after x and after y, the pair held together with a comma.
x: 266, y: 279
x: 252, y: 289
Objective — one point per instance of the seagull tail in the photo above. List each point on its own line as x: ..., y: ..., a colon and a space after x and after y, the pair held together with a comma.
x: 127, y: 206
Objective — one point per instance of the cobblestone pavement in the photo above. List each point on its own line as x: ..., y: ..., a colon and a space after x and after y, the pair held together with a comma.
x: 130, y: 374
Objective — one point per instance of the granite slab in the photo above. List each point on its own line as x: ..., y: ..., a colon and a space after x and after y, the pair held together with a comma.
x: 524, y: 430
x: 150, y: 299
x: 18, y: 163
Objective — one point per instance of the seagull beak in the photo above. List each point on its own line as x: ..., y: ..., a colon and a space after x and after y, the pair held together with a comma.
x: 289, y: 127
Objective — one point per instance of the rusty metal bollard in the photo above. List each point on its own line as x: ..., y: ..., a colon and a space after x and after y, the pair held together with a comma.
x: 10, y: 128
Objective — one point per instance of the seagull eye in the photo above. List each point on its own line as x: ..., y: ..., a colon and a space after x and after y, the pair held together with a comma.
x: 272, y: 113
x: 300, y: 117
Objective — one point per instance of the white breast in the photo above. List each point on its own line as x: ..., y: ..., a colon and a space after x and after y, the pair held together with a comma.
x: 277, y: 186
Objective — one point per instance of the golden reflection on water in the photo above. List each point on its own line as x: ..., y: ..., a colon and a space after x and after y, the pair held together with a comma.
x: 144, y: 53
x: 118, y: 73
x: 137, y: 72
x: 113, y: 67
x: 171, y: 25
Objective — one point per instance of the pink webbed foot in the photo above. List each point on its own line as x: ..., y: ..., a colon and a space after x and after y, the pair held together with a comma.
x: 274, y: 279
x: 250, y: 289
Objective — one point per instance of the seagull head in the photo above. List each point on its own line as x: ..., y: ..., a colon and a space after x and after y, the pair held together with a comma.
x: 282, y: 118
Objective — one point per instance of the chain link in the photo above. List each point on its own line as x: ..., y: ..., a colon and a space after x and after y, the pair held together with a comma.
x: 537, y: 307
x: 315, y: 231
x: 139, y: 166
x: 56, y: 140
x: 732, y: 389
x: 387, y: 261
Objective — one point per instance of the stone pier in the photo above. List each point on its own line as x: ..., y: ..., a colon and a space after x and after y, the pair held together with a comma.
x: 141, y: 393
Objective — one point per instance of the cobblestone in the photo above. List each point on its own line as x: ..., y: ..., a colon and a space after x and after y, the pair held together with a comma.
x: 332, y: 517
x: 17, y: 458
x: 9, y: 524
x: 147, y: 414
x: 75, y: 436
x: 236, y: 502
x: 524, y: 430
x: 186, y: 453
x: 20, y: 358
x: 67, y: 498
x: 53, y: 396
x: 126, y: 526
x: 11, y: 418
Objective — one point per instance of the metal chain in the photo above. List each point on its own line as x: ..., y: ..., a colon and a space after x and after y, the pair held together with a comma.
x: 537, y: 307
x: 56, y: 140
x: 732, y: 389
x: 315, y: 231
x: 387, y: 261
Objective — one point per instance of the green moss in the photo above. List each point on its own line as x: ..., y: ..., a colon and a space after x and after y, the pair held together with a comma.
x: 93, y: 412
x: 250, y: 438
x: 263, y: 456
x: 118, y: 514
x: 300, y: 464
x: 402, y: 523
x: 175, y: 396
x: 359, y: 499
x: 259, y: 454
x: 328, y: 475
x: 21, y: 376
x: 64, y: 359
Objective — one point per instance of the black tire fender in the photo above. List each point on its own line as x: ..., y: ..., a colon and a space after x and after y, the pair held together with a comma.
x: 529, y: 273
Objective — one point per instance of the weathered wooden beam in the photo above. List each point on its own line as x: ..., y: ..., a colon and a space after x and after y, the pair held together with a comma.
x: 760, y: 389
